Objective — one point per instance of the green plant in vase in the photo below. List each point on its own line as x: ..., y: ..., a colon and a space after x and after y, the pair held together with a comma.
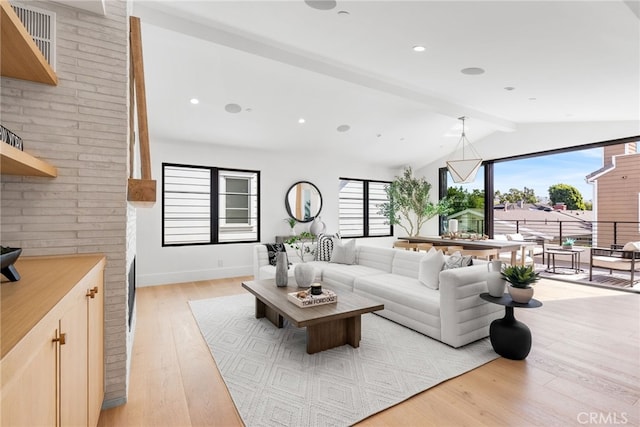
x: 568, y: 243
x: 292, y: 223
x: 302, y: 243
x: 520, y: 278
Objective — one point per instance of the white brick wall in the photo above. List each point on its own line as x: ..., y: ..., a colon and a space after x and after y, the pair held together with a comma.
x: 79, y: 126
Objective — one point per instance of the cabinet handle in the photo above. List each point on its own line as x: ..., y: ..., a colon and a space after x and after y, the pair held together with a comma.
x: 95, y: 289
x: 62, y: 339
x: 91, y: 293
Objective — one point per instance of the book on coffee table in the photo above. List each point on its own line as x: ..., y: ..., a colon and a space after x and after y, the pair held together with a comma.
x: 308, y: 300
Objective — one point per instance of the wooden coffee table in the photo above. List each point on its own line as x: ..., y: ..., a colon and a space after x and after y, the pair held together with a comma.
x: 328, y: 325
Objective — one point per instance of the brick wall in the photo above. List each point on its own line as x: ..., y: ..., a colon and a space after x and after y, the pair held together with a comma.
x: 79, y: 126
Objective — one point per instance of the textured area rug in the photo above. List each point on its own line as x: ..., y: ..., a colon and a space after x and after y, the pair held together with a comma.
x: 274, y: 382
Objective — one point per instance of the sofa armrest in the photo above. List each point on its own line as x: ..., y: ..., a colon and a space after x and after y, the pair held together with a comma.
x: 260, y: 258
x: 464, y: 316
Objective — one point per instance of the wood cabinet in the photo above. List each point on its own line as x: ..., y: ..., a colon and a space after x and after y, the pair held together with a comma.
x: 52, y: 326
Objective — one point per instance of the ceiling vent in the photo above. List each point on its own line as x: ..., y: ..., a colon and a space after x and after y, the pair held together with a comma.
x: 41, y: 25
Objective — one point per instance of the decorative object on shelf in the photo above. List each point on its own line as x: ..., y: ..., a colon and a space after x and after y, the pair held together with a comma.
x: 520, y: 278
x: 568, y: 243
x: 303, y: 201
x: 302, y: 244
x: 495, y: 282
x: 304, y: 274
x: 282, y: 269
x: 317, y: 227
x: 10, y: 138
x: 409, y: 205
x: 8, y: 257
x: 292, y: 224
x: 464, y: 170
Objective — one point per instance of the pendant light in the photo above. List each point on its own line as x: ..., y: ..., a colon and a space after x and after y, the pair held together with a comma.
x: 464, y: 170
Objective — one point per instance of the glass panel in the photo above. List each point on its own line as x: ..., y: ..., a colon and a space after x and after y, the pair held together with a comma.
x: 467, y: 201
x: 351, y: 208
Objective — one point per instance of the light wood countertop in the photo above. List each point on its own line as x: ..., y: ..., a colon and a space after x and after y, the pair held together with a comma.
x: 44, y: 282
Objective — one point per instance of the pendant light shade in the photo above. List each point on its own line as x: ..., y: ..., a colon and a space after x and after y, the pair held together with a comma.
x: 464, y: 170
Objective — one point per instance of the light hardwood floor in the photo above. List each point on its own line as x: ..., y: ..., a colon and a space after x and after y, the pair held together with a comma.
x: 583, y: 369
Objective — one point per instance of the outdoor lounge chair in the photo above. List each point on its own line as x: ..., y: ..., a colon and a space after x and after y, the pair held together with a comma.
x: 626, y: 258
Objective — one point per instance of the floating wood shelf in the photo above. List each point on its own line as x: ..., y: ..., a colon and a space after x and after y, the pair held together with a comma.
x: 21, y: 58
x: 16, y: 162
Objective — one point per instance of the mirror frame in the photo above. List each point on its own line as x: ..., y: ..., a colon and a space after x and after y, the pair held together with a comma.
x: 288, y: 206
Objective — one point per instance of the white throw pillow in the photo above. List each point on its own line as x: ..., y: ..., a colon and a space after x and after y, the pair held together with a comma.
x: 430, y: 268
x: 631, y: 246
x: 343, y: 253
x: 516, y: 237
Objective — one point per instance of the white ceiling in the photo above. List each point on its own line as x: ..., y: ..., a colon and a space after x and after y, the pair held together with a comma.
x: 568, y: 61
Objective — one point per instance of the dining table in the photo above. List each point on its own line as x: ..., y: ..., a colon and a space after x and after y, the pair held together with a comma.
x: 502, y: 246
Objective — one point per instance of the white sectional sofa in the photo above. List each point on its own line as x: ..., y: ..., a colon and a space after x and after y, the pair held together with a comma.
x: 442, y: 304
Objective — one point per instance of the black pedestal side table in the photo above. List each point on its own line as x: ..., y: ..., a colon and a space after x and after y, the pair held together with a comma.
x: 509, y: 337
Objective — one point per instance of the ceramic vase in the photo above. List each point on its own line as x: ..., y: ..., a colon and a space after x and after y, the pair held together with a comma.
x: 521, y: 295
x: 317, y: 227
x: 282, y: 270
x: 304, y: 275
x: 495, y: 281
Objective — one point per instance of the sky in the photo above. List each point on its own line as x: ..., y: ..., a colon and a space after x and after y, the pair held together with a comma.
x: 540, y: 173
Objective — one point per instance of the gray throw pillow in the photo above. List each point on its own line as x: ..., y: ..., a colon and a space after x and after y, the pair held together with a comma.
x: 343, y: 253
x: 457, y: 260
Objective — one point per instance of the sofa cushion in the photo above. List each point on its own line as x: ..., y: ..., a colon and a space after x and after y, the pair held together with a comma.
x: 375, y: 257
x: 343, y: 253
x: 406, y: 263
x: 631, y: 246
x: 430, y: 267
x: 457, y: 260
x: 341, y: 276
x: 406, y: 291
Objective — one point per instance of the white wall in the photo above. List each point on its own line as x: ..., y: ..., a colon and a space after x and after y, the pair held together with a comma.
x: 278, y: 171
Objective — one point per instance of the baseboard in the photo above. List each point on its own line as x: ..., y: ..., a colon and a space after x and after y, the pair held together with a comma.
x: 193, y: 276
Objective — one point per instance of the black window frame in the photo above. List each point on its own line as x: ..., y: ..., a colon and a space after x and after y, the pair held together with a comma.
x: 365, y: 207
x: 214, y: 206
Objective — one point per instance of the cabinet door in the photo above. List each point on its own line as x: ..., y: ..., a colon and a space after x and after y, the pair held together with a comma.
x: 29, y: 385
x: 96, y: 351
x: 73, y: 362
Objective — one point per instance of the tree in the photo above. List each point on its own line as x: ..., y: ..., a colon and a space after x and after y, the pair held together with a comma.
x: 409, y: 201
x: 567, y: 194
x: 514, y: 196
x: 460, y: 199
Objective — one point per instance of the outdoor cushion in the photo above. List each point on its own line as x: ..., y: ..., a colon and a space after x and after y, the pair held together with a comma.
x: 631, y: 246
x: 614, y: 263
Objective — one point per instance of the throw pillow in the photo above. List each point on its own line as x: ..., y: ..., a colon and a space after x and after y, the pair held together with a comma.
x: 430, y: 267
x: 343, y: 253
x: 457, y: 260
x: 631, y: 246
x: 272, y: 251
x: 325, y: 247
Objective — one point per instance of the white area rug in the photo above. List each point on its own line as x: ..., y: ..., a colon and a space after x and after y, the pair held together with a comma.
x: 274, y: 382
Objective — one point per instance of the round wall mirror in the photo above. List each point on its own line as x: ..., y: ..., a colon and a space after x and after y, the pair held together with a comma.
x: 303, y: 201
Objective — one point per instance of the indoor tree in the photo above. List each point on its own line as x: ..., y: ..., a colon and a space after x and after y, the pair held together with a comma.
x: 409, y: 205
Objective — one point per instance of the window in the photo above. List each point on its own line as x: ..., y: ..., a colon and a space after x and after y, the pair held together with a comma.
x: 208, y: 205
x: 359, y: 204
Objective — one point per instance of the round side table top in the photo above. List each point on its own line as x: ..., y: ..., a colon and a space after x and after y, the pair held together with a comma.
x: 506, y: 300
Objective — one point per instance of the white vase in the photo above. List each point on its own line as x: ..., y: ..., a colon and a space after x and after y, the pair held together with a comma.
x: 495, y: 281
x: 317, y: 226
x: 304, y: 274
x: 521, y: 295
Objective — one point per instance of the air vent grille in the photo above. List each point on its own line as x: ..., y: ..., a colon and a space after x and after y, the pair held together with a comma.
x: 41, y: 25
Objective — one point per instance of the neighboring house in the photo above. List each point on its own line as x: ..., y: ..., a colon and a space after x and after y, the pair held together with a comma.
x: 617, y: 195
x: 470, y: 220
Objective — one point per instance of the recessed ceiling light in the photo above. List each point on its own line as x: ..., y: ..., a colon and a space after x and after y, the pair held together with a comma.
x: 194, y: 101
x: 301, y: 120
x: 343, y: 12
x: 321, y: 4
x: 232, y: 108
x: 472, y: 71
x: 509, y: 88
x: 343, y: 128
x: 419, y: 48
x: 533, y: 99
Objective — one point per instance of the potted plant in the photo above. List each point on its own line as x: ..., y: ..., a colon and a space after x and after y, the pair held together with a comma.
x: 520, y: 278
x: 409, y: 205
x: 568, y: 243
x: 292, y: 224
